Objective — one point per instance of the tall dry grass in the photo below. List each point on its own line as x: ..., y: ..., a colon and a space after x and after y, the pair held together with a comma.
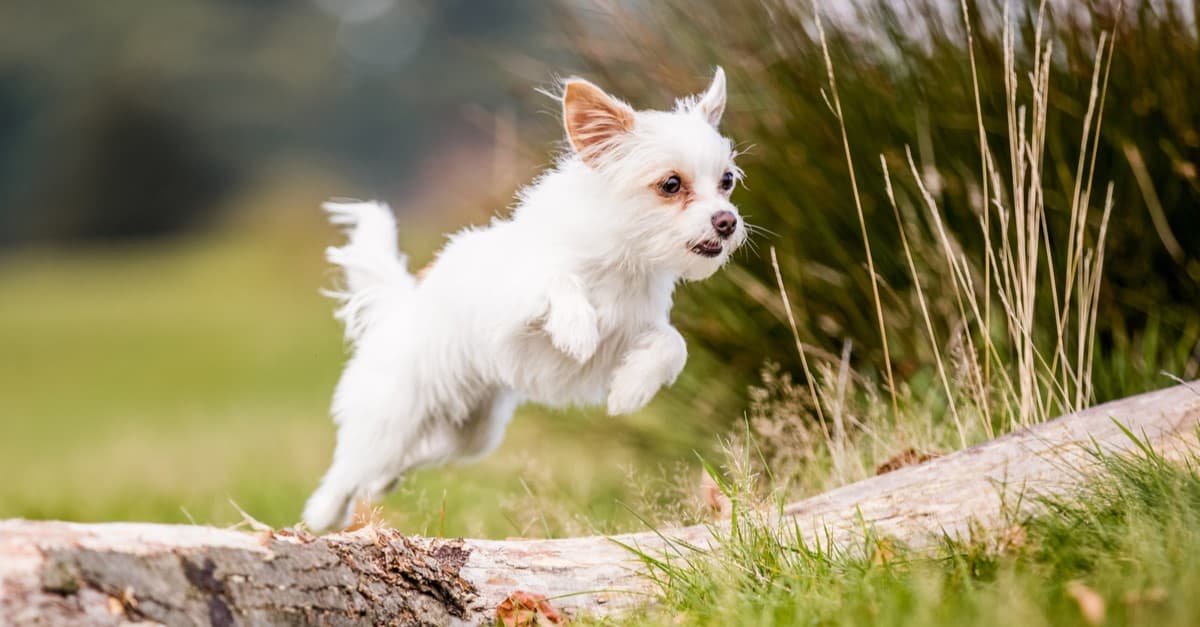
x: 996, y: 371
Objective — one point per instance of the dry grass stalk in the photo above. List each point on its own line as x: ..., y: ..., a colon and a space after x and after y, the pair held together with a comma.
x: 862, y: 223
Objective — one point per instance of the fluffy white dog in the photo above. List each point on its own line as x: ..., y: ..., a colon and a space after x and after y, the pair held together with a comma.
x: 567, y: 302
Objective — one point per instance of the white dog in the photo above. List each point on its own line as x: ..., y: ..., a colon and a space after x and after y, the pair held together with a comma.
x: 567, y: 302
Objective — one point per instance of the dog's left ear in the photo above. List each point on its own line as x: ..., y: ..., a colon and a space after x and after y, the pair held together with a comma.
x: 711, y: 105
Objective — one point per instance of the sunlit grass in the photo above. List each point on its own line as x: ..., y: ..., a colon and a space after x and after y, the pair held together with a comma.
x: 1120, y: 553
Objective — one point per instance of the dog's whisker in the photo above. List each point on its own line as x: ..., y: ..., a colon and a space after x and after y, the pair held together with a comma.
x: 758, y: 230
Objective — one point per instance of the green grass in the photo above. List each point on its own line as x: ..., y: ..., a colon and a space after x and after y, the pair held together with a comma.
x: 1130, y: 539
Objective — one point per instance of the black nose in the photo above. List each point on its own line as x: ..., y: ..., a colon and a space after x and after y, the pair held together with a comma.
x: 724, y: 222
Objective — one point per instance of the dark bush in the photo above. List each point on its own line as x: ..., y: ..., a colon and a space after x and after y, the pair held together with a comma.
x: 905, y: 80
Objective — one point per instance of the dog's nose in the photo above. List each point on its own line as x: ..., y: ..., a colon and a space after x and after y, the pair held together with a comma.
x: 724, y: 222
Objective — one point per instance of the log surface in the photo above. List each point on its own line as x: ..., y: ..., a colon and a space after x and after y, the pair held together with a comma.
x: 115, y: 573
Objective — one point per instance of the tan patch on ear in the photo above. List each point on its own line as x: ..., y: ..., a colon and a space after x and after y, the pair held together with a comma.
x: 593, y: 119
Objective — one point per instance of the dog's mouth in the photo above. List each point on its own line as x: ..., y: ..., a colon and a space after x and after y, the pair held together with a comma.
x: 708, y: 248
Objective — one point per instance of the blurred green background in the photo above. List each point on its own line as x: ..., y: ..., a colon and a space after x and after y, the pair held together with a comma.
x: 166, y: 351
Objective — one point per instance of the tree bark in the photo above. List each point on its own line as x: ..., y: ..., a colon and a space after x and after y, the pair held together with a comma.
x: 66, y: 573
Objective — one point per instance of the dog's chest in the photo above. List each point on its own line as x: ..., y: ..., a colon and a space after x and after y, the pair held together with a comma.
x: 624, y: 309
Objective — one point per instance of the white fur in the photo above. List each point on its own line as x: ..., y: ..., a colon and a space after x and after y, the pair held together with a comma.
x: 566, y: 302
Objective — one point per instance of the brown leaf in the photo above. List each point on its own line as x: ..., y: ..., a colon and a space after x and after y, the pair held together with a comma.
x: 908, y: 457
x: 120, y: 605
x: 525, y: 609
x: 1091, y: 604
x: 719, y: 505
x: 127, y: 598
x: 1014, y: 537
x: 883, y: 552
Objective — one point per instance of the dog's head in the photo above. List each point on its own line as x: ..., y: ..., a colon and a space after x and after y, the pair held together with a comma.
x: 672, y: 170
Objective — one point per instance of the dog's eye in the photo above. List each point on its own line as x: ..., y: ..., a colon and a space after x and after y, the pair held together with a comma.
x: 727, y: 181
x: 671, y: 186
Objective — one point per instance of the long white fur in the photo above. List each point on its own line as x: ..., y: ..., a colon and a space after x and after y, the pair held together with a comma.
x: 566, y: 302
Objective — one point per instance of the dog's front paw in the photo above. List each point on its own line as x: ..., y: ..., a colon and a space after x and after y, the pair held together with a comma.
x: 629, y: 394
x: 657, y: 361
x: 573, y: 329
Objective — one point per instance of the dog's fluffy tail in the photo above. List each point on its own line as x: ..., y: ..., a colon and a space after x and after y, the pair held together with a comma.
x: 374, y: 270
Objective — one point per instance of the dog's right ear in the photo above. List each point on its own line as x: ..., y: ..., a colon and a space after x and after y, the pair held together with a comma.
x: 711, y: 105
x: 593, y: 119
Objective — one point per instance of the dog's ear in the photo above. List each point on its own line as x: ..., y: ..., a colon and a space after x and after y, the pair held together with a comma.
x: 593, y: 119
x: 711, y: 105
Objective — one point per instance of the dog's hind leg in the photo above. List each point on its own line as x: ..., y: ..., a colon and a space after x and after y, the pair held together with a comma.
x: 369, y: 463
x: 331, y: 507
x: 374, y: 446
x: 467, y: 441
x: 484, y: 431
x: 360, y: 463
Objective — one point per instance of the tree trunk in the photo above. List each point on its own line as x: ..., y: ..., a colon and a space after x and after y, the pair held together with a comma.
x: 66, y: 573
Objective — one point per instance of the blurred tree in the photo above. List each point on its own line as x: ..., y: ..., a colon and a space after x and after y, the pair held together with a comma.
x: 127, y: 167
x: 137, y: 118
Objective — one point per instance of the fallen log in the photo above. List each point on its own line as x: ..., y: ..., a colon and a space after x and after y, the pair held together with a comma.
x: 66, y: 573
